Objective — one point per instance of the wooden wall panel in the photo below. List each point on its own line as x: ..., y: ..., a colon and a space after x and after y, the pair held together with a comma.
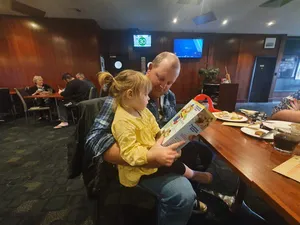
x: 47, y: 47
x: 236, y: 51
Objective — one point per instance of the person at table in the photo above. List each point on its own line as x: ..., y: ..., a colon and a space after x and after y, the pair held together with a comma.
x: 288, y: 109
x: 75, y: 92
x: 80, y: 76
x: 176, y: 196
x: 40, y: 88
x: 135, y: 130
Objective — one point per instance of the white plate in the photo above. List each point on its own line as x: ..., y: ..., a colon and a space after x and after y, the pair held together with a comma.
x: 283, y: 125
x: 243, y: 118
x: 251, y: 132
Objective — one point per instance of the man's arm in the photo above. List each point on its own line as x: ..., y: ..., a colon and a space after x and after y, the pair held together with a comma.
x: 287, y: 115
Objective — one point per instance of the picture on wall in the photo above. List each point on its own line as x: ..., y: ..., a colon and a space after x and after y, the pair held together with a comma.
x: 270, y: 42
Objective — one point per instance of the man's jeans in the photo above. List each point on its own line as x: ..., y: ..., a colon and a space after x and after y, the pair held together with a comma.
x: 175, y: 195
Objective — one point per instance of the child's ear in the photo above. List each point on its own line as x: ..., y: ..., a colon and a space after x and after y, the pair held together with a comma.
x: 129, y: 94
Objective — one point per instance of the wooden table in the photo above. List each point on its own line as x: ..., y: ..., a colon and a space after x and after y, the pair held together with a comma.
x: 54, y: 95
x: 253, y: 160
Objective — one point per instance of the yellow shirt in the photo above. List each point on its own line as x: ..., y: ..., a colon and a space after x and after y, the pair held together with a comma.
x: 135, y: 137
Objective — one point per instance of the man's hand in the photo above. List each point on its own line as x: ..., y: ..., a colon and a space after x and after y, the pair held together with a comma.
x: 165, y: 156
x: 60, y: 91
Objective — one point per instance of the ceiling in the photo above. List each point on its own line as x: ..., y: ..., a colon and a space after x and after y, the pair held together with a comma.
x: 244, y: 16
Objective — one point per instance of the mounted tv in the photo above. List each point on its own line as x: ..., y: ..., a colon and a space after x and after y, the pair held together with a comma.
x: 188, y: 48
x: 142, y: 41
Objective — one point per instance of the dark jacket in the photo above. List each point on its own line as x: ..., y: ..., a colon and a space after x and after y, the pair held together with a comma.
x: 94, y: 177
x: 76, y: 91
x: 90, y: 83
x: 34, y: 88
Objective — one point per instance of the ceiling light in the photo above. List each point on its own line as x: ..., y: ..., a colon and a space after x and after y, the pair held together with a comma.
x: 271, y: 23
x: 175, y: 20
x: 34, y: 25
x: 224, y: 22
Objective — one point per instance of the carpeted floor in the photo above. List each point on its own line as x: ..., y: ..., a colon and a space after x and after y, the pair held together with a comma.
x: 34, y: 189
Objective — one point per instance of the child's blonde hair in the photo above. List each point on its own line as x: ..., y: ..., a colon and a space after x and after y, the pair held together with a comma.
x: 124, y: 81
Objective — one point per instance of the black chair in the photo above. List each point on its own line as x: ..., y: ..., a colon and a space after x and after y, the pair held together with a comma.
x: 6, y: 106
x: 93, y: 93
x: 31, y: 109
x: 107, y: 173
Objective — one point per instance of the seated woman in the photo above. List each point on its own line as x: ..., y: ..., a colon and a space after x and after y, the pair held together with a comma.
x: 288, y: 109
x: 40, y: 88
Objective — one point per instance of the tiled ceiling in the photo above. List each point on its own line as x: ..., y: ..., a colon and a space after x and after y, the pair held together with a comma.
x: 244, y: 16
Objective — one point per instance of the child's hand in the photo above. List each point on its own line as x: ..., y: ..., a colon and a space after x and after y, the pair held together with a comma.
x: 165, y: 156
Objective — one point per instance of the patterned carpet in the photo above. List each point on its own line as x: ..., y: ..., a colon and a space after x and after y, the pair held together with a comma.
x: 34, y: 189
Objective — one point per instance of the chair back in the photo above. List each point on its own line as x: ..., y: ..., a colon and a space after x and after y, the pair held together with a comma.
x: 203, y: 97
x: 92, y: 93
x: 22, y: 100
x: 5, y: 99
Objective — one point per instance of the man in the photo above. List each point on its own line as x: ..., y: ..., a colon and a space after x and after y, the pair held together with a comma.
x: 288, y: 109
x: 176, y: 195
x: 80, y: 76
x: 75, y: 91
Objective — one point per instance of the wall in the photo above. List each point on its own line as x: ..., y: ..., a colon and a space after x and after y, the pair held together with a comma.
x: 47, y: 47
x: 236, y: 51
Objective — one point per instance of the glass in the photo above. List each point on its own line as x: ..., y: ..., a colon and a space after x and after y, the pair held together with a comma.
x: 286, y: 142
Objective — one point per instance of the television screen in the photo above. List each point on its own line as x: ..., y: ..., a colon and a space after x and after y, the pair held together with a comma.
x: 188, y: 48
x: 142, y: 40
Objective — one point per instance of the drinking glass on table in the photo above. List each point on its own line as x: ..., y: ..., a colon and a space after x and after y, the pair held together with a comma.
x: 286, y: 142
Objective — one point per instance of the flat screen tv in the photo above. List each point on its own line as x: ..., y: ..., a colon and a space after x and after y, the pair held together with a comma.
x: 142, y: 40
x: 188, y: 48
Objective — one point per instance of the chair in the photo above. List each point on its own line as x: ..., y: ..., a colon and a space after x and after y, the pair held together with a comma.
x: 92, y: 93
x: 203, y: 97
x: 31, y: 109
x: 6, y: 106
x: 107, y: 172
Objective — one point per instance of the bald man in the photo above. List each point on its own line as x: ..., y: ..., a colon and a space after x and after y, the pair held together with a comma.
x: 175, y: 193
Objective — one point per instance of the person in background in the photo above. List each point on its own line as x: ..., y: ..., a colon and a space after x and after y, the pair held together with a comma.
x: 75, y: 91
x: 80, y: 76
x: 176, y: 197
x: 40, y: 88
x: 288, y: 109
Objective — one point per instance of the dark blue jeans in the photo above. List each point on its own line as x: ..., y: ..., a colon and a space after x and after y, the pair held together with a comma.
x: 174, y: 192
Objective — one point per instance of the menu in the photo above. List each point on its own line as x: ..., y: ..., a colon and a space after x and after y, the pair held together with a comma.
x: 290, y: 168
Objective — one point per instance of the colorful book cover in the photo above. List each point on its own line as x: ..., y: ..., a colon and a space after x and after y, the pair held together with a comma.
x: 187, y: 123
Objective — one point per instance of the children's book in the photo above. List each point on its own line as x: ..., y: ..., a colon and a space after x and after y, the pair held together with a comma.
x: 187, y: 123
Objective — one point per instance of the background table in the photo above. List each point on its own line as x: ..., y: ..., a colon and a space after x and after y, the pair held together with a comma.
x: 253, y: 160
x: 54, y: 95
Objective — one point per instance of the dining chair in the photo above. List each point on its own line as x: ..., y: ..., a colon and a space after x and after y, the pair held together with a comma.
x: 31, y: 109
x: 203, y: 97
x: 92, y: 93
x: 6, y: 106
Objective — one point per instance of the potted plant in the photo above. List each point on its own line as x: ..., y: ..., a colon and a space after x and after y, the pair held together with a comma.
x: 209, y: 75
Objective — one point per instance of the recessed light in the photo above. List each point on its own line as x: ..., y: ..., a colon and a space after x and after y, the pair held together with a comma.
x: 271, y: 23
x: 224, y: 22
x: 34, y: 25
x: 175, y: 20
